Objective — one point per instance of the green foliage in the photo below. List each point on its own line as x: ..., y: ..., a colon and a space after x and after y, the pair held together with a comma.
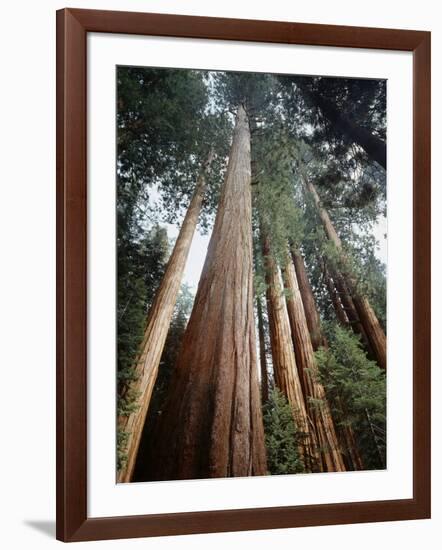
x: 254, y: 90
x: 276, y: 210
x: 167, y: 121
x: 140, y: 268
x: 165, y: 129
x: 158, y: 111
x: 172, y: 346
x: 354, y: 198
x: 356, y: 391
x: 122, y: 439
x: 281, y: 436
x: 166, y: 368
x: 355, y: 226
x: 370, y: 275
x: 363, y: 101
x: 140, y: 265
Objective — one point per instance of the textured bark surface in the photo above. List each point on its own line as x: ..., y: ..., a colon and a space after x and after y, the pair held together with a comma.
x: 323, y: 214
x: 374, y: 330
x: 335, y: 298
x: 346, y: 437
x: 365, y: 315
x: 157, y: 327
x: 212, y: 422
x: 285, y: 369
x: 308, y: 301
x: 262, y: 353
x: 314, y: 394
x: 349, y: 307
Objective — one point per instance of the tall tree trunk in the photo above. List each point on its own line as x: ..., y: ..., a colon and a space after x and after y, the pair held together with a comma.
x: 374, y: 330
x: 262, y: 352
x: 157, y: 326
x: 212, y: 422
x: 345, y: 433
x: 339, y: 288
x: 314, y: 393
x: 323, y: 214
x: 365, y: 313
x: 308, y: 300
x: 285, y: 369
x: 338, y: 306
x: 374, y: 147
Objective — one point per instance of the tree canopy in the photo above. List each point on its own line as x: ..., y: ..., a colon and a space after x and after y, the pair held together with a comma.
x: 315, y: 148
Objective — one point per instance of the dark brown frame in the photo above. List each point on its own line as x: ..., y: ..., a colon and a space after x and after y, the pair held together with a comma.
x: 72, y: 521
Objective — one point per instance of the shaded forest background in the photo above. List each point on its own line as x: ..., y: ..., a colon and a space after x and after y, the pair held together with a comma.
x: 278, y: 364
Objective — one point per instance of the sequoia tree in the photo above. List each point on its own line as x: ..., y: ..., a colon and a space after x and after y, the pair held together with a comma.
x: 372, y: 329
x: 212, y: 422
x: 166, y: 370
x: 344, y: 305
x: 262, y: 352
x: 308, y: 300
x: 291, y: 154
x: 347, y: 442
x: 157, y: 326
x: 287, y: 377
x: 150, y: 159
x: 314, y: 393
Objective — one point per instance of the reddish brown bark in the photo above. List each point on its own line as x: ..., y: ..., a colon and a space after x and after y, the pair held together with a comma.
x: 346, y: 437
x: 262, y: 353
x: 348, y: 305
x: 286, y: 373
x: 323, y: 214
x: 374, y: 330
x: 308, y: 301
x: 335, y: 298
x: 365, y: 314
x: 347, y: 442
x: 212, y: 422
x: 157, y: 326
x: 314, y: 394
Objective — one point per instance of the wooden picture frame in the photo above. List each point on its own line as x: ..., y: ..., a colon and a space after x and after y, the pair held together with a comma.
x: 73, y: 523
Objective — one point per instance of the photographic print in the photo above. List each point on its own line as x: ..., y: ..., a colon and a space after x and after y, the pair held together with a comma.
x: 251, y: 274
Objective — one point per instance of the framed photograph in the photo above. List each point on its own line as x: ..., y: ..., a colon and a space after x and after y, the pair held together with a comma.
x: 243, y: 274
